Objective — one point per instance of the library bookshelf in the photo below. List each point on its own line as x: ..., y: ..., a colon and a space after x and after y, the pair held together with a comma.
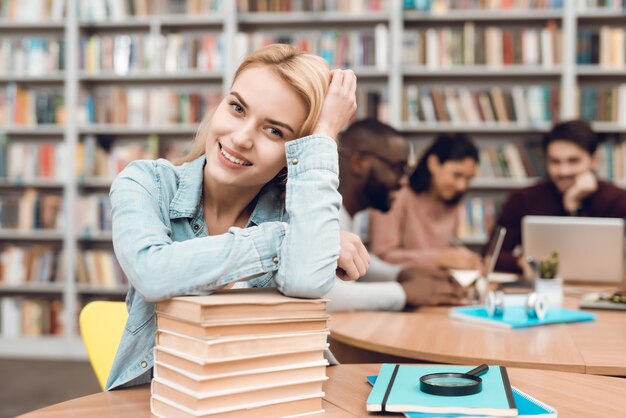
x: 77, y: 68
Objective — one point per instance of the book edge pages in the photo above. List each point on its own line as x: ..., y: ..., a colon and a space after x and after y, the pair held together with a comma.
x: 234, y: 408
x: 234, y: 391
x: 204, y: 362
x: 246, y: 372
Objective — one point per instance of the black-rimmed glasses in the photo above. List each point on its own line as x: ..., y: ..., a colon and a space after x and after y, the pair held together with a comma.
x: 400, y: 168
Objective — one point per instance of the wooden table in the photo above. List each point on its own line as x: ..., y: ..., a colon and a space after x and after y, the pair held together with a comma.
x: 428, y: 335
x: 573, y: 395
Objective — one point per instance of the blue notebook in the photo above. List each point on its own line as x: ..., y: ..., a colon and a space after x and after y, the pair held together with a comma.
x: 515, y: 316
x: 397, y: 389
x: 527, y: 407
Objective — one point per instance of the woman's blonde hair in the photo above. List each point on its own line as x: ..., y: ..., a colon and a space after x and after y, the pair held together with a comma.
x: 307, y: 74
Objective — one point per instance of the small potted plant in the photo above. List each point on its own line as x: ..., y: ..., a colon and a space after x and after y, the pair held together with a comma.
x: 548, y: 282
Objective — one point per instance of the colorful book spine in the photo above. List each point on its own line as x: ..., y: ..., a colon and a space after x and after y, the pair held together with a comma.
x: 491, y: 46
x: 461, y: 105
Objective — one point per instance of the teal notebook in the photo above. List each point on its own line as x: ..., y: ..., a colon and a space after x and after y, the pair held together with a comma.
x: 397, y: 389
x: 515, y: 316
x: 527, y: 407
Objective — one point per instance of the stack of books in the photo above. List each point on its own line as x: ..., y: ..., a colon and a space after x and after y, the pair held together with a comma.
x: 246, y: 351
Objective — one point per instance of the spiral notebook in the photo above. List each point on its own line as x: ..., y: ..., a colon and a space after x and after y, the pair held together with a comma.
x: 527, y: 406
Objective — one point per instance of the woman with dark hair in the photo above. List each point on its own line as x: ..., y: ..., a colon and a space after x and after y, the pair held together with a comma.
x: 420, y: 230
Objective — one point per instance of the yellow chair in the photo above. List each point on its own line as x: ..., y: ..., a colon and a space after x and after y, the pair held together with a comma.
x: 101, y: 326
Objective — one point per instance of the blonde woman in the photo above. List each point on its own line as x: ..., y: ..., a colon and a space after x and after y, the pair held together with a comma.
x: 254, y: 204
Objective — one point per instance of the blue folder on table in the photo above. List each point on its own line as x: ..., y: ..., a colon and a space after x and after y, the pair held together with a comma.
x: 516, y: 317
x: 527, y: 407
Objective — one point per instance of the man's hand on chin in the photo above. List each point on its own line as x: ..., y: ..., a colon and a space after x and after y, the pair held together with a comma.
x: 586, y: 183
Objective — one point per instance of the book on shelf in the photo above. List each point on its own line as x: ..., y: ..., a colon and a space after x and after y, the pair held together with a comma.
x: 93, y: 214
x: 528, y: 105
x: 146, y: 106
x: 478, y: 216
x: 604, y: 47
x: 445, y: 6
x: 230, y: 328
x: 511, y: 160
x: 372, y: 102
x: 592, y: 5
x: 31, y: 210
x: 100, y: 268
x: 32, y: 56
x: 397, y: 390
x: 30, y: 317
x: 252, y: 304
x: 30, y: 265
x: 119, y: 10
x: 252, y: 378
x: 603, y: 104
x: 611, y: 159
x: 174, y: 53
x: 366, y: 48
x: 270, y: 6
x: 516, y: 317
x: 207, y: 367
x: 22, y: 106
x: 28, y: 11
x: 103, y: 157
x: 472, y: 45
x: 289, y: 407
x: 26, y: 161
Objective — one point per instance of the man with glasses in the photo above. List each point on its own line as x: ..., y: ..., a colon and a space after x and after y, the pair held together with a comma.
x: 373, y: 166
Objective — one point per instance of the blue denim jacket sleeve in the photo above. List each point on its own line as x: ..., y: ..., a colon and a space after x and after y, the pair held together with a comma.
x: 310, y: 248
x: 159, y: 267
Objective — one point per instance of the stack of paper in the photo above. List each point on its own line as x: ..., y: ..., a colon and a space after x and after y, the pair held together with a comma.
x: 253, y: 352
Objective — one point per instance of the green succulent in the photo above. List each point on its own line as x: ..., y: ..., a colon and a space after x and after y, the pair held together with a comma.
x: 549, y: 267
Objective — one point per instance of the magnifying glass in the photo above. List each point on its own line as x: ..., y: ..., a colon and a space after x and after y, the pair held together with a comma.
x: 454, y: 384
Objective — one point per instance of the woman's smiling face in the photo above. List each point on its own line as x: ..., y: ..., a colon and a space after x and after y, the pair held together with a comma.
x: 246, y: 139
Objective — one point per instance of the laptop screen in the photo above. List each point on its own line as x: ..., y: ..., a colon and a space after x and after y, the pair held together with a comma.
x: 493, y: 251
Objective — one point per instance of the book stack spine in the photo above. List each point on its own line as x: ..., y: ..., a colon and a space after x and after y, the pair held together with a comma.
x: 262, y: 360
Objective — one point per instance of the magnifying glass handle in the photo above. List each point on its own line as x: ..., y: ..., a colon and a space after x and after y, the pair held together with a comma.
x: 479, y: 371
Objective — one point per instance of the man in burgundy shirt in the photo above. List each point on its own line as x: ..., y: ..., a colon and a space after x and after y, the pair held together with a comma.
x: 571, y: 189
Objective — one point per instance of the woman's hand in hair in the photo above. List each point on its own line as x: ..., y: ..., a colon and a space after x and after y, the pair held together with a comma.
x: 354, y: 260
x: 339, y: 105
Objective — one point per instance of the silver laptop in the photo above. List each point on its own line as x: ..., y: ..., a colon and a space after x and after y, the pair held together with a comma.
x: 590, y: 249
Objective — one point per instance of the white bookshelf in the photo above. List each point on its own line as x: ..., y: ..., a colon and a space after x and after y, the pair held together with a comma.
x: 230, y: 24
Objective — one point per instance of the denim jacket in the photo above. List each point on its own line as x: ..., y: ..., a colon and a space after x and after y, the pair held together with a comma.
x: 161, y: 242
